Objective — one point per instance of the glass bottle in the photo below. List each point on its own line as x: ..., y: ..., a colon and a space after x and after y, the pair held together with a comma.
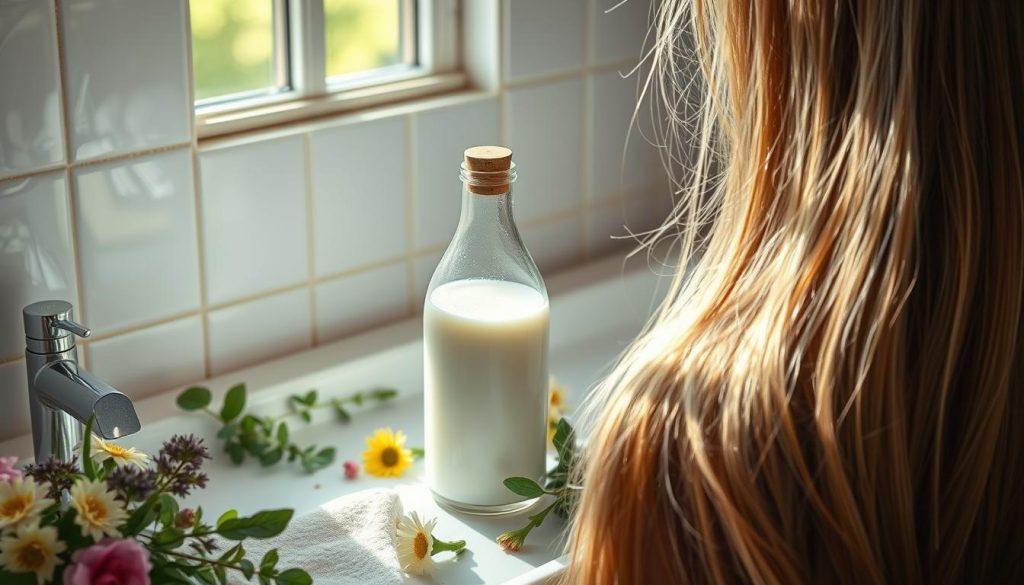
x: 485, y: 336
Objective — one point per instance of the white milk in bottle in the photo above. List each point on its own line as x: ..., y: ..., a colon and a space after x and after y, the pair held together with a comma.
x: 485, y: 329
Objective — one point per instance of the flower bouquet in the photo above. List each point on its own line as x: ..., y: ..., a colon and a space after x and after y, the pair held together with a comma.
x: 115, y: 519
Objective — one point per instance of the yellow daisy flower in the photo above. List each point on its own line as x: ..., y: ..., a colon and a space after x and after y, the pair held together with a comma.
x: 99, y: 513
x: 386, y: 455
x: 102, y: 450
x: 557, y: 406
x: 31, y: 549
x: 415, y: 543
x: 21, y: 501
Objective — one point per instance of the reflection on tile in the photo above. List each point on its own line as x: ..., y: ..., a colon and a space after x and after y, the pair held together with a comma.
x: 249, y: 333
x: 617, y: 167
x: 358, y: 173
x: 543, y: 37
x: 137, y: 239
x: 361, y: 301
x: 618, y: 29
x: 440, y: 137
x: 555, y: 245
x: 14, y: 417
x: 30, y: 128
x: 148, y: 361
x: 126, y: 75
x: 36, y: 259
x: 544, y: 126
x: 254, y: 218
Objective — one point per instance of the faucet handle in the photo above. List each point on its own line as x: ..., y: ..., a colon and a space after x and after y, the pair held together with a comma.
x: 73, y: 327
x: 48, y: 320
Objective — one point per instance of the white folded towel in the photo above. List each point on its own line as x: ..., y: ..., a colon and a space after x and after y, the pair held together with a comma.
x: 348, y: 541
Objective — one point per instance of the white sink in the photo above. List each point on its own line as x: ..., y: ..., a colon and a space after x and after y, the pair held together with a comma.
x: 596, y: 310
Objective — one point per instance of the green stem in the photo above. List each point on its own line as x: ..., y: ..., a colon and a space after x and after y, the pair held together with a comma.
x: 538, y: 518
x: 441, y: 546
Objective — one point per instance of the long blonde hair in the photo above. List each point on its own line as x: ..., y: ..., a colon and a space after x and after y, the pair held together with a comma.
x: 832, y: 390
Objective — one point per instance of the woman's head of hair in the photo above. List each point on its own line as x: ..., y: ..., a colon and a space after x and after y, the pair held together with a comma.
x: 826, y: 392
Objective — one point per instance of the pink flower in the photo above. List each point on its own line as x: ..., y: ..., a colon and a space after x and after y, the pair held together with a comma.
x: 351, y: 470
x: 109, y: 562
x: 185, y: 518
x: 7, y: 470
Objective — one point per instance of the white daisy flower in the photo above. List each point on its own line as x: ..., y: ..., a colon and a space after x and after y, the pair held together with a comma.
x: 31, y: 549
x: 21, y: 501
x: 415, y: 543
x: 99, y: 514
x: 102, y: 450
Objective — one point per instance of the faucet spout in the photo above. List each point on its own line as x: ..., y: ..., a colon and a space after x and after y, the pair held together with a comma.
x: 82, y: 395
x: 62, y: 395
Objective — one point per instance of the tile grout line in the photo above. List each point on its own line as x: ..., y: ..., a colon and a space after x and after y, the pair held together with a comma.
x: 410, y: 224
x: 586, y: 163
x: 307, y: 168
x: 71, y: 189
x: 197, y: 199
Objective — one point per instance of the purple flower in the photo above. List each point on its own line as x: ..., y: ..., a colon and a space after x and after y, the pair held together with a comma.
x: 131, y: 484
x: 109, y: 562
x: 7, y: 470
x: 178, y: 464
x: 59, y: 474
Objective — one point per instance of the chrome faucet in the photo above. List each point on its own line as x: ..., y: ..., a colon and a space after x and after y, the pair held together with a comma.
x: 62, y: 396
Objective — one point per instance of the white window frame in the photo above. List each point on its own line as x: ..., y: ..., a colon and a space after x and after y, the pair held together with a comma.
x: 311, y: 95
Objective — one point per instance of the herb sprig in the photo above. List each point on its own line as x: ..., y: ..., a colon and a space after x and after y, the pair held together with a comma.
x: 268, y: 438
x: 556, y: 483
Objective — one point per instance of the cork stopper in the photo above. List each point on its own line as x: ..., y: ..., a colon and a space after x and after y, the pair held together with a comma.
x: 488, y: 168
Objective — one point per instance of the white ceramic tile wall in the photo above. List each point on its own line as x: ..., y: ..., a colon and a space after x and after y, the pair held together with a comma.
x: 151, y: 359
x: 359, y: 194
x: 126, y: 75
x: 623, y: 160
x: 31, y: 135
x: 544, y: 127
x: 543, y: 37
x: 439, y: 138
x: 619, y: 29
x: 191, y: 260
x: 36, y: 258
x: 252, y: 332
x: 254, y: 218
x: 354, y: 303
x: 136, y: 230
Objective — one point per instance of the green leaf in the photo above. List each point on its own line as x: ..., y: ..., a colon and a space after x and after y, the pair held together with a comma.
x: 222, y: 574
x: 206, y: 575
x: 17, y: 578
x: 304, y: 415
x: 342, y: 414
x: 168, y: 508
x: 227, y: 431
x: 170, y: 573
x: 88, y: 465
x: 235, y: 452
x: 524, y: 486
x: 271, y: 457
x: 264, y: 580
x: 234, y: 403
x: 320, y: 460
x: 269, y: 561
x: 141, y: 517
x: 418, y: 452
x: 282, y: 434
x: 263, y: 524
x: 226, y: 557
x: 383, y: 394
x: 168, y: 538
x: 357, y: 399
x: 247, y: 568
x: 564, y: 441
x: 249, y: 423
x: 194, y: 398
x: 229, y: 515
x: 293, y: 577
x: 310, y: 398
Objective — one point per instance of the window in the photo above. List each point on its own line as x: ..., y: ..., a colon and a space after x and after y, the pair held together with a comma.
x: 264, y: 62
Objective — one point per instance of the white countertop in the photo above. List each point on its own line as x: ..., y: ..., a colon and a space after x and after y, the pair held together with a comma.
x: 595, y: 311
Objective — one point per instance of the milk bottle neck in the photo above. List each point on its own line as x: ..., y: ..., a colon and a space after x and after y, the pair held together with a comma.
x: 488, y: 212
